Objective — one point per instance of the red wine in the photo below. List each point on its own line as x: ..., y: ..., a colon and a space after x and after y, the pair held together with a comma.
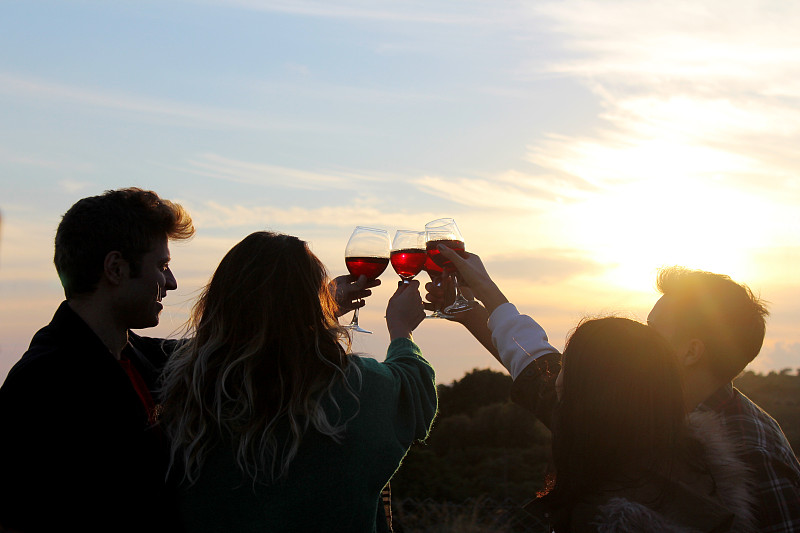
x: 438, y: 258
x: 408, y: 262
x: 372, y: 267
x: 432, y: 268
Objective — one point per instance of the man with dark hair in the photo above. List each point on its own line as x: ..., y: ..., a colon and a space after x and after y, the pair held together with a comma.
x: 716, y: 327
x: 79, y: 448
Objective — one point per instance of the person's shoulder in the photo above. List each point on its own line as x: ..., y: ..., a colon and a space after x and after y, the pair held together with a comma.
x: 44, y: 355
x: 761, y: 433
x: 747, y: 408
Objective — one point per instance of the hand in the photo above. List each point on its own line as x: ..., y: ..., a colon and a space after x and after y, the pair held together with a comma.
x: 404, y: 311
x: 349, y: 292
x: 472, y: 271
x: 440, y: 294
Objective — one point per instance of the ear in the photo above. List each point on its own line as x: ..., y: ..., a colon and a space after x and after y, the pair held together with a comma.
x: 694, y: 352
x: 115, y: 268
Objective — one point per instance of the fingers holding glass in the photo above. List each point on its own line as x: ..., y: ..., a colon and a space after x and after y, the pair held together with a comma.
x: 445, y: 232
x: 366, y: 254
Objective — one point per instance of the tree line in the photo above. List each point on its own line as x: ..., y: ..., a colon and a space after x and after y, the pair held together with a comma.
x: 483, y: 445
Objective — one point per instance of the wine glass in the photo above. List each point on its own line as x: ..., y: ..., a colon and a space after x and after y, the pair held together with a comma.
x: 444, y: 231
x: 367, y: 253
x: 435, y: 272
x: 408, y: 254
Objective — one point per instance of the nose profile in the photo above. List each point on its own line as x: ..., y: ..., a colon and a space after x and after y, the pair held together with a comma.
x: 171, y: 283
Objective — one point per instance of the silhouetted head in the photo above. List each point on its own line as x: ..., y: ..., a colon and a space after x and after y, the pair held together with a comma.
x: 130, y: 221
x: 621, y: 405
x: 271, y: 291
x: 726, y: 316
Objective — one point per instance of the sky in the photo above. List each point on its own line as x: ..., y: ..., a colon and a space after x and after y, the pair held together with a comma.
x: 580, y: 145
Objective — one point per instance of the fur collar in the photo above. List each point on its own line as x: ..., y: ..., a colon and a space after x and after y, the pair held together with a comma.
x: 731, y: 474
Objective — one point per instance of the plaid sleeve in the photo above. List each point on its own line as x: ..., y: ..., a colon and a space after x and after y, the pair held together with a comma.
x: 775, y: 468
x: 777, y: 491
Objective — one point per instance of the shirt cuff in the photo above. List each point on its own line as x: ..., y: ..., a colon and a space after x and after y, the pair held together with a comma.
x: 518, y: 338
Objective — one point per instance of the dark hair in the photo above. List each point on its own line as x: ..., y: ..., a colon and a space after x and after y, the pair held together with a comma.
x: 265, y: 348
x: 726, y: 316
x: 128, y: 221
x: 621, y: 409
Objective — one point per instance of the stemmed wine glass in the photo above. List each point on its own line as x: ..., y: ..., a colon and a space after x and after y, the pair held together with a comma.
x: 444, y: 231
x: 435, y: 272
x: 408, y: 254
x: 367, y: 253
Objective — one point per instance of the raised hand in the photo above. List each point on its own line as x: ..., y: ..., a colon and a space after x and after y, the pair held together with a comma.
x: 473, y: 272
x: 350, y: 291
x: 405, y: 311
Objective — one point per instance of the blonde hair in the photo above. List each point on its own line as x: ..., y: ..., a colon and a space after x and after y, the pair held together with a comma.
x: 266, y: 350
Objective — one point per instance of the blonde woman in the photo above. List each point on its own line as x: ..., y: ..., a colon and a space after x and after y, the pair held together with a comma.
x: 274, y: 425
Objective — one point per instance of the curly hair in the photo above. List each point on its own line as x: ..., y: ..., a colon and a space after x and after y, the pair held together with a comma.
x: 265, y: 354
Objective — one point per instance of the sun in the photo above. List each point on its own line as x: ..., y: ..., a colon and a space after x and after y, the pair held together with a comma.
x: 647, y: 225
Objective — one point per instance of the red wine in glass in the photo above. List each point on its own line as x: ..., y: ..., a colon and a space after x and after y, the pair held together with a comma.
x: 408, y: 262
x: 371, y: 267
x: 367, y: 254
x: 437, y: 257
x: 431, y: 268
x: 445, y: 232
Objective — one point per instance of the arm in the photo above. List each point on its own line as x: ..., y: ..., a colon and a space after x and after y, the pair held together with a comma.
x: 530, y: 359
x: 516, y: 339
x: 474, y: 320
x: 519, y: 342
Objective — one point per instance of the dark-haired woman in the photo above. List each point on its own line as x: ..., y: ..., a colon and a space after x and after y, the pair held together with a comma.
x: 274, y: 425
x: 626, y: 456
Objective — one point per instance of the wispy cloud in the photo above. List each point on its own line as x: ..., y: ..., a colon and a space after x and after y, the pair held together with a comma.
x: 468, y: 12
x: 690, y: 91
x: 213, y: 214
x: 512, y: 190
x: 142, y: 108
x: 544, y: 266
x: 255, y: 173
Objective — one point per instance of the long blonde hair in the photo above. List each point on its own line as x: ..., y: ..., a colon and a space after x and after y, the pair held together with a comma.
x: 266, y: 350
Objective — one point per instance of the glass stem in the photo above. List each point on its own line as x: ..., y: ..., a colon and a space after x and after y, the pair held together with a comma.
x: 354, y: 322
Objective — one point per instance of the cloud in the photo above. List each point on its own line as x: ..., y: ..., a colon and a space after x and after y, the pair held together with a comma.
x: 467, y: 12
x: 252, y: 173
x: 690, y: 91
x: 543, y: 266
x: 510, y: 190
x: 778, y: 356
x: 216, y: 215
x: 146, y: 109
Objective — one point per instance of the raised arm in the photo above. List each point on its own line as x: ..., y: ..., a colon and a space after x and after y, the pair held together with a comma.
x: 517, y: 341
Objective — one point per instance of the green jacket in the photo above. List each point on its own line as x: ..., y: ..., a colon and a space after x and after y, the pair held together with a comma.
x: 331, y: 487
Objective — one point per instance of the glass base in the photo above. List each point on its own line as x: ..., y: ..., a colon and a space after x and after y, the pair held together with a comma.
x: 459, y: 306
x: 439, y: 314
x: 356, y: 327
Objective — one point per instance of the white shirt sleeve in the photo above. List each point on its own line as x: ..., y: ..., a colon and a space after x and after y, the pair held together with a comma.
x: 518, y: 338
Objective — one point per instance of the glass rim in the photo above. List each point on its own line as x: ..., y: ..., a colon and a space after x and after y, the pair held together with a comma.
x: 439, y: 222
x: 369, y: 228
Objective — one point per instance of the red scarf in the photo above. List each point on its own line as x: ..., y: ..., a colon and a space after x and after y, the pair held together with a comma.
x: 140, y: 386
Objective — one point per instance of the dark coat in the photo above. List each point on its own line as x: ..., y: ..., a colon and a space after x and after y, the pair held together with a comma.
x: 77, y: 451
